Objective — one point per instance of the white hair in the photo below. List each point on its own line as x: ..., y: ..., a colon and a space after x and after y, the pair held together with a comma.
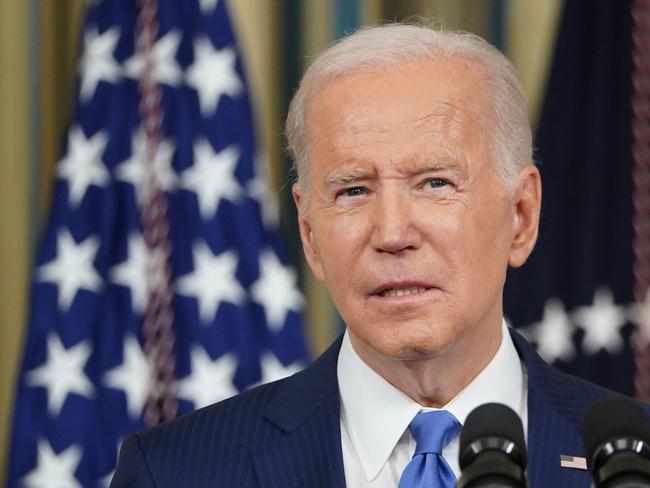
x: 383, y: 47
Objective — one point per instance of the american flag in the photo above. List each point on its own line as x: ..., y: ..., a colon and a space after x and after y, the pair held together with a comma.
x: 575, y: 297
x: 574, y: 462
x: 160, y: 285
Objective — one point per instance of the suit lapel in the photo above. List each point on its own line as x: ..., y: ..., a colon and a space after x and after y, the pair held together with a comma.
x: 556, y: 403
x: 550, y: 435
x: 307, y: 408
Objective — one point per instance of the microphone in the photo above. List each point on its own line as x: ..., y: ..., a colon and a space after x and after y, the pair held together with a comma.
x: 616, y: 438
x: 492, y: 449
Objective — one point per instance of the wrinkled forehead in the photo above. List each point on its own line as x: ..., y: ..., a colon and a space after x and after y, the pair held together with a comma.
x: 461, y: 73
x: 443, y: 104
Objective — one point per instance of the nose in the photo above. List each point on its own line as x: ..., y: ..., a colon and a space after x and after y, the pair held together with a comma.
x: 394, y: 230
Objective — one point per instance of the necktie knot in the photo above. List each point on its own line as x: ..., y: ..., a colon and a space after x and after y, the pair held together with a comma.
x: 433, y: 430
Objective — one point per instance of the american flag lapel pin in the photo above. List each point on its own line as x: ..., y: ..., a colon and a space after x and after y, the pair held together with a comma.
x: 573, y: 462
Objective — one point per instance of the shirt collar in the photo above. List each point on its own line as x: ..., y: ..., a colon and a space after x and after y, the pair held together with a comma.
x: 376, y: 414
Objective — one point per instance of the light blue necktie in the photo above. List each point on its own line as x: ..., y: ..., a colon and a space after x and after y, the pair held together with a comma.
x: 432, y: 431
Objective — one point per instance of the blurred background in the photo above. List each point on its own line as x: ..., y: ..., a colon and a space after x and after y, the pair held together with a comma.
x: 575, y: 299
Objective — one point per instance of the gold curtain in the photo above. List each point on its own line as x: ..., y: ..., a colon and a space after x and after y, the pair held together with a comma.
x: 38, y: 42
x: 14, y: 204
x: 531, y: 29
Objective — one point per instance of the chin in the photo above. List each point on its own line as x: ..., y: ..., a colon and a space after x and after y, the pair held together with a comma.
x: 414, y: 349
x: 417, y: 352
x: 404, y: 340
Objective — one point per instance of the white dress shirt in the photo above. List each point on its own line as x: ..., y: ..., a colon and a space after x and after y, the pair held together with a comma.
x: 375, y: 415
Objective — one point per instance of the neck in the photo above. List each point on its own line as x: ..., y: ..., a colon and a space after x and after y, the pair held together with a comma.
x: 433, y: 381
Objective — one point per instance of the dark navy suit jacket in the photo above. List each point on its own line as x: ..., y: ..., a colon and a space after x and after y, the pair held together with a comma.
x: 287, y: 434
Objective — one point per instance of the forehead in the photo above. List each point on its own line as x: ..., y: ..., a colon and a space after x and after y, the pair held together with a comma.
x: 417, y: 110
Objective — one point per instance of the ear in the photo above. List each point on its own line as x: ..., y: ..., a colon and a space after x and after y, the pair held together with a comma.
x: 527, y: 206
x: 309, y: 245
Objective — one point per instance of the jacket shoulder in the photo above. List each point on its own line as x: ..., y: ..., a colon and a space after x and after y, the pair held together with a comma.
x: 570, y: 394
x: 216, y: 445
x: 241, y: 416
x: 210, y: 445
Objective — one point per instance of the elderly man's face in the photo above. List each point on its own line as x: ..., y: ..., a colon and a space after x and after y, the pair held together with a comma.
x: 406, y: 219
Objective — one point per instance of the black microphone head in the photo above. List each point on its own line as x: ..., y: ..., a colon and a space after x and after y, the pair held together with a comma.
x: 492, y: 420
x: 612, y: 417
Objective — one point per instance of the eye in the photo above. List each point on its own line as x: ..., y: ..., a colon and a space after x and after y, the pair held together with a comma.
x: 436, y: 183
x: 355, y: 191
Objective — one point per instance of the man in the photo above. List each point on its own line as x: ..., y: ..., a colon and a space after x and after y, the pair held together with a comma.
x: 416, y: 190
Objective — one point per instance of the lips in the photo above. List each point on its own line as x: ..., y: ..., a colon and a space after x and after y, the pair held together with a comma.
x: 400, y: 289
x: 399, y: 292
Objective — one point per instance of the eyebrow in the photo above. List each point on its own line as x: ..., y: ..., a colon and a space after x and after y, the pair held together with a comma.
x: 453, y: 168
x: 345, y: 177
x: 434, y: 167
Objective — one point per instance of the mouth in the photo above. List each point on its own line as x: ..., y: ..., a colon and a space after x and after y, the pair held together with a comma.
x: 401, y: 289
x: 400, y: 292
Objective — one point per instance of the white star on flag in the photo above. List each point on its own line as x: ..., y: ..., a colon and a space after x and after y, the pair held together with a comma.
x: 275, y: 290
x: 62, y: 373
x: 132, y: 272
x: 82, y: 165
x: 554, y: 333
x: 213, y: 281
x: 97, y: 62
x: 213, y: 74
x: 208, y: 6
x: 212, y: 177
x: 54, y: 470
x: 601, y: 321
x: 165, y: 68
x: 209, y: 381
x: 133, y: 169
x: 273, y: 370
x: 72, y: 269
x: 132, y: 377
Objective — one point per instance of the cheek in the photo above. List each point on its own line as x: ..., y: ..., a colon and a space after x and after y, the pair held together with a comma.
x: 487, y: 234
x: 338, y: 239
x: 469, y: 236
x: 447, y: 229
